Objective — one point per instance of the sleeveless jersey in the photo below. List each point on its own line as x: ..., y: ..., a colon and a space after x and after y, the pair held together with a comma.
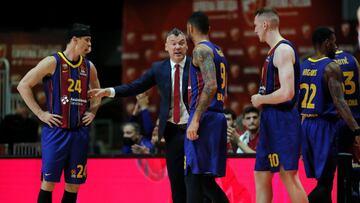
x: 66, y: 90
x: 350, y: 79
x: 314, y: 97
x: 197, y: 83
x: 270, y: 76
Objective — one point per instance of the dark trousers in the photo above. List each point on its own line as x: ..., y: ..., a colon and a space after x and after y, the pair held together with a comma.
x: 344, y: 186
x: 203, y: 188
x: 322, y: 192
x: 174, y: 153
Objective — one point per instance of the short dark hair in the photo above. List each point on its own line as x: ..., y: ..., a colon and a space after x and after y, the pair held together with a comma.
x: 320, y: 35
x: 250, y: 109
x: 270, y: 14
x: 200, y: 21
x: 175, y: 32
x: 77, y: 30
x: 231, y: 112
x: 266, y: 10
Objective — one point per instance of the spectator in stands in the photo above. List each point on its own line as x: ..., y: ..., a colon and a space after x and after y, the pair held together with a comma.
x: 142, y: 115
x: 159, y: 145
x: 233, y: 132
x: 248, y: 140
x: 134, y: 142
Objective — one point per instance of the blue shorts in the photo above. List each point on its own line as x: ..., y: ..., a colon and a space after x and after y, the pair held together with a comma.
x: 207, y: 154
x: 279, y: 141
x: 319, y: 147
x: 64, y: 149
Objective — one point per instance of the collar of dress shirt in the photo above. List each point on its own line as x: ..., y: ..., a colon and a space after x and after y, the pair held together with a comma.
x: 182, y: 63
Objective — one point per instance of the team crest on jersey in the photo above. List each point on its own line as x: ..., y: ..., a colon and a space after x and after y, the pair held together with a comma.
x: 82, y: 71
x: 65, y: 67
x: 73, y: 173
x: 219, y: 52
x: 64, y: 99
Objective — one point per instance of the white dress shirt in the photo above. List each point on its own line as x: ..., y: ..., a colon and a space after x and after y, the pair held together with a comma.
x: 184, y: 115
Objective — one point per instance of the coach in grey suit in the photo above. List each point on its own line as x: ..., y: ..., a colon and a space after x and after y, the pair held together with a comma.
x: 171, y: 127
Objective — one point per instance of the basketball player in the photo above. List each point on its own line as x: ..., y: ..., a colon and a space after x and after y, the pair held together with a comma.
x: 278, y: 149
x: 346, y: 146
x: 205, y: 145
x: 321, y: 102
x: 66, y: 78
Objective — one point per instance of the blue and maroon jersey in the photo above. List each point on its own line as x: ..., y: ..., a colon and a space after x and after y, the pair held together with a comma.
x: 66, y: 90
x: 197, y: 83
x: 350, y: 72
x: 270, y: 76
x: 315, y: 99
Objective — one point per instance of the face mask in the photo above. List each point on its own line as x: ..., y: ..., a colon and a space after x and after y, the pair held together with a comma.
x: 128, y: 141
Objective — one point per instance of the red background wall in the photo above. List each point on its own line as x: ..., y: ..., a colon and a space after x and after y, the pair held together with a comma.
x: 146, y: 22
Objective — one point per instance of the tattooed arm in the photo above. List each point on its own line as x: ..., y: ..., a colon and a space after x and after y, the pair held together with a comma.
x: 333, y: 77
x: 203, y: 57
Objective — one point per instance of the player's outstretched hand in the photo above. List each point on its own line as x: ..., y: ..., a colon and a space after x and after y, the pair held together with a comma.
x: 98, y: 93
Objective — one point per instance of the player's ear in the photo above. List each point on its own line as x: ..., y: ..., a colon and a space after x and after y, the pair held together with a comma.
x: 265, y: 24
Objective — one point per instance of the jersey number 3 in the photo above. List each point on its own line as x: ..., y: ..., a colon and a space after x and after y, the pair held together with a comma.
x: 349, y: 85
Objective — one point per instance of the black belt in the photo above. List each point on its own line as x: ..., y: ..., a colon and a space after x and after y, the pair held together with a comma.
x: 179, y: 126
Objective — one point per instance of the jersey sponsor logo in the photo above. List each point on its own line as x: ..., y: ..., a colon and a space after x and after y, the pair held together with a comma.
x: 77, y: 101
x: 64, y: 99
x: 342, y: 61
x: 262, y: 90
x: 352, y: 102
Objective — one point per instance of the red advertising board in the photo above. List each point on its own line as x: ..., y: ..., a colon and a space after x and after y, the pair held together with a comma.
x: 131, y: 180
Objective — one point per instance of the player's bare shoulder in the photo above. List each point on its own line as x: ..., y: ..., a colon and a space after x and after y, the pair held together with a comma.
x: 47, y: 65
x: 201, y: 53
x: 284, y: 53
